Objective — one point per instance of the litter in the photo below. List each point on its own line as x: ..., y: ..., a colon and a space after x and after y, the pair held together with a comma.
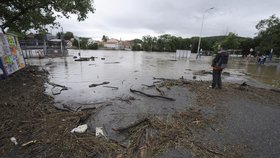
x: 99, y: 131
x: 14, y: 140
x: 80, y: 129
x: 29, y: 143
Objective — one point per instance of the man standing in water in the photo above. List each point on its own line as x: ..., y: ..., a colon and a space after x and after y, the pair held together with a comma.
x: 218, y: 64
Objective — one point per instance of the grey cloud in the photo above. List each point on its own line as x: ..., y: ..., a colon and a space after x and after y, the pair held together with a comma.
x: 132, y: 18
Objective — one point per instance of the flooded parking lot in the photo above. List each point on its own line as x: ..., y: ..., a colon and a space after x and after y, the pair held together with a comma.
x: 125, y: 70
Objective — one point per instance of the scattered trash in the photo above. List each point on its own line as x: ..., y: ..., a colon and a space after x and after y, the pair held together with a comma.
x: 244, y: 84
x: 150, y: 95
x: 49, y: 63
x: 86, y: 59
x: 126, y: 99
x: 99, y: 131
x: 14, y: 140
x: 275, y: 90
x: 226, y: 73
x: 57, y: 88
x: 114, y: 88
x: 202, y: 72
x: 160, y: 91
x: 149, y: 86
x: 29, y: 143
x: 112, y: 63
x: 80, y: 129
x: 98, y: 84
x: 82, y: 59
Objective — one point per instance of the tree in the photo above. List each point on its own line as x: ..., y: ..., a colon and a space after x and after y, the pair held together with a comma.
x: 147, y: 43
x: 246, y: 45
x: 68, y: 35
x: 105, y: 38
x: 231, y: 41
x: 93, y: 46
x: 23, y: 15
x: 137, y: 44
x: 269, y: 35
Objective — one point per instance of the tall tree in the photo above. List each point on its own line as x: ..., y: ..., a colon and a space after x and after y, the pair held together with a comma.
x: 23, y: 15
x: 68, y: 35
x: 269, y: 35
x: 231, y: 41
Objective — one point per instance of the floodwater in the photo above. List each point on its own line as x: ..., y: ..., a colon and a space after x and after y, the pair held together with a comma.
x: 126, y: 69
x: 129, y: 70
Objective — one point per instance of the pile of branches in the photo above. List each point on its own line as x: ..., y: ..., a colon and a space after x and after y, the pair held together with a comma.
x: 151, y: 137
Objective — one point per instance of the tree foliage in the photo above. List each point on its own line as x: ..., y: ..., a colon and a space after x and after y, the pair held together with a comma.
x: 269, y: 35
x: 23, y: 15
x: 231, y: 41
x: 105, y: 38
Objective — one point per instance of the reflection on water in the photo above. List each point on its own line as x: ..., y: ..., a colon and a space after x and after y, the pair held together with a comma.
x: 136, y: 68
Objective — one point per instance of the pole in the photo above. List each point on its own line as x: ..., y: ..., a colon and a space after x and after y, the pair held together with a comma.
x: 199, y: 41
x: 79, y: 47
x: 61, y: 38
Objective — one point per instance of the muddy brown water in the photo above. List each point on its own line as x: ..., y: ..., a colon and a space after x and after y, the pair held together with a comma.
x: 137, y: 68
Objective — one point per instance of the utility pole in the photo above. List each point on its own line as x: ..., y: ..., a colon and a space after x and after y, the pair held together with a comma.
x: 199, y: 41
x: 61, y: 38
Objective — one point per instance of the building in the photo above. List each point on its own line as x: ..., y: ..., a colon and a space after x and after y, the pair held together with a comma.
x: 112, y: 44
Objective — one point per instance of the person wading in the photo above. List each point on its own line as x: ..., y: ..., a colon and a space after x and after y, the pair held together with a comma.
x: 219, y: 63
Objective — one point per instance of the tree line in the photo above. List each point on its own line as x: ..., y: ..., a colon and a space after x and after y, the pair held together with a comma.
x: 268, y: 38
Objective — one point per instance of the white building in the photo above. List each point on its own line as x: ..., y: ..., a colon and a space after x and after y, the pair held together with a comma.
x: 112, y: 44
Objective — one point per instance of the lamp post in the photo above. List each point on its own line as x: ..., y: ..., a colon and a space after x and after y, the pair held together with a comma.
x: 199, y: 41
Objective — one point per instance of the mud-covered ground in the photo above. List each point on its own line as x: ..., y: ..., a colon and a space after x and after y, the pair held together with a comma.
x: 236, y: 121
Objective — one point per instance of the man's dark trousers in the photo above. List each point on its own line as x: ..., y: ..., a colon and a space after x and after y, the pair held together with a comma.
x: 217, y: 78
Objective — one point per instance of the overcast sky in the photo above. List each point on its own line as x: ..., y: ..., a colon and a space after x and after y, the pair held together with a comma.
x: 129, y: 19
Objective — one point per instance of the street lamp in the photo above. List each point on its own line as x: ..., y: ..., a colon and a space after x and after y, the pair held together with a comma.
x: 199, y: 41
x: 76, y: 37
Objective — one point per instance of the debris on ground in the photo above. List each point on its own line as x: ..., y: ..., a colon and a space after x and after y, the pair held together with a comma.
x: 99, y: 131
x: 80, y: 129
x: 226, y: 73
x: 57, y: 89
x: 151, y: 95
x: 202, y: 72
x: 85, y: 59
x: 98, y: 84
x: 126, y: 99
x: 149, y: 86
x: 14, y: 140
x: 112, y: 87
x: 29, y: 143
x: 112, y: 62
x: 31, y: 117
